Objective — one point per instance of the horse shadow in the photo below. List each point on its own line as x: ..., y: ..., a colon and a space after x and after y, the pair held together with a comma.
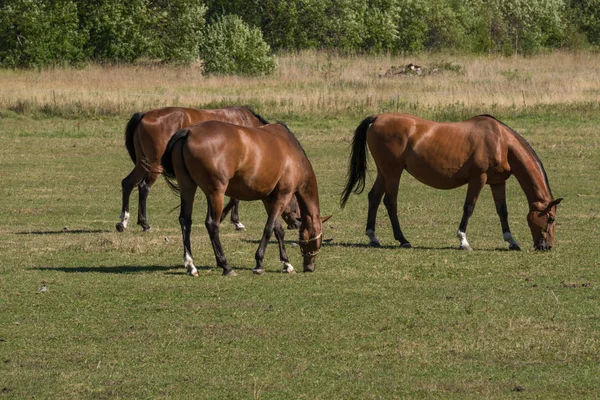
x: 117, y: 269
x: 63, y: 232
x: 138, y: 269
x: 332, y: 243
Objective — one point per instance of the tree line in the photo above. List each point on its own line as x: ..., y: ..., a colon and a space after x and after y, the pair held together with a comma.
x: 240, y: 36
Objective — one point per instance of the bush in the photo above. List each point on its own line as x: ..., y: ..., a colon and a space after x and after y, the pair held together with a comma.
x: 176, y: 30
x: 586, y: 13
x: 116, y: 29
x: 39, y: 34
x: 231, y: 47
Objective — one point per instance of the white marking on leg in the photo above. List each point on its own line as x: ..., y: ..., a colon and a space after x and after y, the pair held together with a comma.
x: 124, y: 218
x: 239, y: 226
x: 372, y: 238
x: 462, y: 236
x: 288, y: 268
x: 508, y: 237
x: 188, y: 263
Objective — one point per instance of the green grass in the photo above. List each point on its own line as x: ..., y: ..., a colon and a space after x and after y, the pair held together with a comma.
x: 122, y: 320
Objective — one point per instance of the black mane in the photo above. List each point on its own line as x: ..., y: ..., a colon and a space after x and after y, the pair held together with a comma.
x: 294, y: 136
x: 526, y: 143
x: 259, y: 117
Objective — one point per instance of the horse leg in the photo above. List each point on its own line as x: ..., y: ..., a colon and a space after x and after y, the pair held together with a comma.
x: 280, y: 234
x: 375, y: 196
x: 213, y: 219
x: 499, y: 194
x: 390, y: 200
x: 185, y: 220
x: 127, y: 185
x: 233, y: 205
x: 144, y: 189
x: 473, y: 190
x: 273, y: 225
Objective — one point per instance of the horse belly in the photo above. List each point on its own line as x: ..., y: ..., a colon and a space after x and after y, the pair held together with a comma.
x: 438, y: 175
x: 248, y: 188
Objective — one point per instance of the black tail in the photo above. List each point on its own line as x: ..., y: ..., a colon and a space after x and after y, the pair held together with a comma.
x: 129, y: 130
x: 358, y: 161
x: 166, y: 160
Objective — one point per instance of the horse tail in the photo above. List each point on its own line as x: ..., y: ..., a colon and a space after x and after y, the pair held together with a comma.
x: 358, y: 161
x: 166, y: 160
x: 129, y: 131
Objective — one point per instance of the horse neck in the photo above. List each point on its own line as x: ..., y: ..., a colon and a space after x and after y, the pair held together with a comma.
x: 528, y: 170
x: 308, y: 202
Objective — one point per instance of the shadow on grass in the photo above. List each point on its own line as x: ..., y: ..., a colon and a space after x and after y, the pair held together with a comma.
x: 63, y: 232
x: 331, y: 243
x: 119, y: 269
x: 134, y: 269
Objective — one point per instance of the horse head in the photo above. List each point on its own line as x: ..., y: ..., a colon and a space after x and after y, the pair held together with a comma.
x: 311, y: 246
x: 541, y: 223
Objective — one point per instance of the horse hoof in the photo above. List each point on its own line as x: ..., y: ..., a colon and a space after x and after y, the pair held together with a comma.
x: 406, y: 245
x: 258, y: 271
x: 514, y: 247
x: 465, y: 248
x: 375, y: 244
x: 239, y: 226
x: 147, y: 228
x: 229, y: 272
x: 120, y: 227
x: 288, y: 269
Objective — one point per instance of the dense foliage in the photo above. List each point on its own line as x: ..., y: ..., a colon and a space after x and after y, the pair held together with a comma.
x: 231, y: 47
x: 38, y: 33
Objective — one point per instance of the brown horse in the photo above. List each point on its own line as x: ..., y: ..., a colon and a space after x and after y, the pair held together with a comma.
x: 146, y: 137
x: 265, y: 163
x: 478, y: 151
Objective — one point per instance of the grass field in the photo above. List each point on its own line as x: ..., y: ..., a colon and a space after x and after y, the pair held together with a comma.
x: 121, y: 319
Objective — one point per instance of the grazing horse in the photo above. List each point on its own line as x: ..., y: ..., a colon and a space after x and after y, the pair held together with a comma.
x: 265, y: 163
x: 146, y: 137
x: 478, y: 151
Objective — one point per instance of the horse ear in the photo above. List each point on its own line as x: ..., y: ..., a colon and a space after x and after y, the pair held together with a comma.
x: 324, y: 219
x: 553, y: 203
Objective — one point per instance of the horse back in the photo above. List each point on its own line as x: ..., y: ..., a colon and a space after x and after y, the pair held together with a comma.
x: 250, y: 162
x: 440, y: 154
x: 157, y: 126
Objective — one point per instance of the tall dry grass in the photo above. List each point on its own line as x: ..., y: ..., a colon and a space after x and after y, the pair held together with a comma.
x: 312, y: 83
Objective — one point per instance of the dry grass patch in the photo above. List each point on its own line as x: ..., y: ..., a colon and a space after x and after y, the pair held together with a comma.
x: 309, y: 82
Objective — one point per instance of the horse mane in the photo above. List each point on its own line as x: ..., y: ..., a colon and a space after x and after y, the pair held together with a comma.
x: 257, y: 116
x: 293, y: 135
x: 527, y: 145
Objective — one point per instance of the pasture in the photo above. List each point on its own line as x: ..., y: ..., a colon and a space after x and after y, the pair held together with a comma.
x: 121, y: 319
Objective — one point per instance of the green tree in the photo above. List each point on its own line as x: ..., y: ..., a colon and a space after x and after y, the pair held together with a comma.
x: 117, y: 29
x: 231, y: 47
x: 586, y: 14
x: 40, y: 33
x: 412, y: 26
x: 175, y: 30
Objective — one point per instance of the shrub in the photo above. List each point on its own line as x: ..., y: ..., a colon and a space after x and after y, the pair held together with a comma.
x: 231, y: 47
x: 116, y: 29
x: 39, y: 34
x: 586, y: 13
x: 176, y: 30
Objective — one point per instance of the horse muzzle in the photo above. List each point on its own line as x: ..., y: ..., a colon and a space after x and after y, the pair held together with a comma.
x: 543, y: 246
